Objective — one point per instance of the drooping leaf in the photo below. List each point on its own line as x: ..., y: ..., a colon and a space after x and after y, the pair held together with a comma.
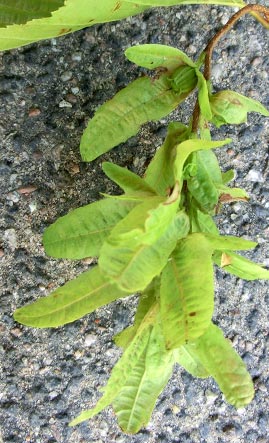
x: 123, y: 369
x: 120, y: 118
x: 136, y: 400
x: 241, y: 266
x: 222, y: 242
x: 74, y: 15
x: 184, y: 149
x: 119, y: 375
x: 224, y: 364
x: 127, y: 180
x: 187, y: 291
x: 190, y: 361
x: 159, y: 173
x: 82, y: 232
x: 21, y: 11
x: 229, y: 107
x: 132, y: 263
x: 76, y: 298
x: 157, y: 56
x: 146, y: 300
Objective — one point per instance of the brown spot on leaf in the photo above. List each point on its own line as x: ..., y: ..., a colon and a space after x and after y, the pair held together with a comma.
x: 225, y: 260
x: 64, y: 31
x: 192, y: 314
x: 117, y: 6
x: 227, y: 198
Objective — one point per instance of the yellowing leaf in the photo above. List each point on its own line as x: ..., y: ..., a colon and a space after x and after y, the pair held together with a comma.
x: 76, y: 298
x: 74, y: 15
x: 225, y: 365
x: 132, y: 263
x: 241, y: 266
x: 233, y: 3
x: 232, y: 108
x: 119, y: 375
x: 159, y: 173
x: 225, y: 259
x: 120, y: 118
x: 136, y: 399
x: 187, y: 291
x: 82, y: 232
x: 189, y: 360
x: 127, y: 180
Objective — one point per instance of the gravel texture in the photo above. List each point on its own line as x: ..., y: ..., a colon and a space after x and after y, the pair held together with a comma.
x: 48, y: 92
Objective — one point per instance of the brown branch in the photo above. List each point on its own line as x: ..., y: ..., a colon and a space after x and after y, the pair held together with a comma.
x: 260, y: 12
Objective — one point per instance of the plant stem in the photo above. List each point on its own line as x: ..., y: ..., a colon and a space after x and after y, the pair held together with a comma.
x: 260, y: 12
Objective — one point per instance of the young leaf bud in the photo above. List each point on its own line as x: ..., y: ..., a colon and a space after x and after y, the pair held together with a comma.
x: 183, y: 79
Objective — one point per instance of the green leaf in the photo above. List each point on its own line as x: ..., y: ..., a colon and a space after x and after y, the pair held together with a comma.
x: 225, y: 365
x: 120, y: 118
x: 222, y: 242
x: 240, y: 266
x: 22, y: 11
x: 201, y: 222
x: 136, y: 400
x: 123, y: 369
x: 232, y: 108
x: 233, y: 3
x: 76, y: 298
x: 202, y: 186
x: 133, y: 259
x: 74, y: 15
x: 184, y: 79
x: 184, y: 149
x: 157, y: 56
x: 127, y: 180
x: 203, y: 96
x: 228, y: 176
x: 159, y: 174
x: 187, y: 291
x: 188, y: 359
x: 82, y: 232
x: 146, y: 300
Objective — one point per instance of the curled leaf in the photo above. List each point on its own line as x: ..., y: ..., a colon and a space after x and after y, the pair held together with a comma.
x: 229, y: 107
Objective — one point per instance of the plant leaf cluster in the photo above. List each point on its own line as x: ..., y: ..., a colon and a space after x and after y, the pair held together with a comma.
x: 26, y: 21
x: 157, y: 239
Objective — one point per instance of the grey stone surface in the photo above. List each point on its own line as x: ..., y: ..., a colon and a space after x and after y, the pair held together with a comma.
x: 48, y: 92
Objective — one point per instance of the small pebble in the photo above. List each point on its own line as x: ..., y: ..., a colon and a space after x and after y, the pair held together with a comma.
x: 10, y: 237
x: 34, y: 112
x: 25, y: 190
x: 65, y: 104
x: 75, y: 90
x: 66, y: 76
x: 90, y: 339
x: 254, y: 176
